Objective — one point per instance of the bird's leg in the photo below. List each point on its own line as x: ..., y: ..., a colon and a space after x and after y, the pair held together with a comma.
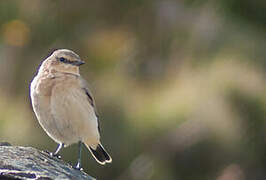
x: 59, y: 147
x: 78, y: 166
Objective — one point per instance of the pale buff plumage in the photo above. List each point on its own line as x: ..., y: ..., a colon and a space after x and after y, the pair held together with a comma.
x: 64, y: 105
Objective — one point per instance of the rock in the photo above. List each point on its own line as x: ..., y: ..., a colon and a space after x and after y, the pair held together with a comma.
x: 5, y: 144
x: 29, y: 163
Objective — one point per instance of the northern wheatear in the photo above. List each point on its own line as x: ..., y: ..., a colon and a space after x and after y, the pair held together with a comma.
x: 64, y: 105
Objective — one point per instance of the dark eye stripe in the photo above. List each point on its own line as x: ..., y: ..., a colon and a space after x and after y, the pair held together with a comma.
x: 64, y: 60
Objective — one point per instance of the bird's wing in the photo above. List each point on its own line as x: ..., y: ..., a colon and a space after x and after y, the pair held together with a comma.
x: 85, y: 88
x: 72, y: 111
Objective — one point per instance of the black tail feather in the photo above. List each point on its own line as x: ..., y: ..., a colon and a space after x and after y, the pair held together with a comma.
x: 100, y: 154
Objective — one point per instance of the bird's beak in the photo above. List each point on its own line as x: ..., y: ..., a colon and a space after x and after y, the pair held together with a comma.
x: 79, y: 63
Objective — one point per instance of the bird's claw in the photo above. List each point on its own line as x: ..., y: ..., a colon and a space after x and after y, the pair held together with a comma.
x: 46, y: 152
x: 78, y: 167
x: 55, y: 155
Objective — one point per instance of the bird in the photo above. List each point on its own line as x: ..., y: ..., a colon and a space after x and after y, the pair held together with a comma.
x: 65, y: 107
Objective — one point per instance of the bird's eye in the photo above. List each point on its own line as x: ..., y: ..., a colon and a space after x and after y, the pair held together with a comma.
x: 62, y: 59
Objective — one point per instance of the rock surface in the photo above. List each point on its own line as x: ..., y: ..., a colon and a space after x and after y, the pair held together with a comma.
x: 29, y: 163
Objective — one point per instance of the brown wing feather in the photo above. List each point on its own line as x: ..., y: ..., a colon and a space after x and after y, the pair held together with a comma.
x: 90, y: 99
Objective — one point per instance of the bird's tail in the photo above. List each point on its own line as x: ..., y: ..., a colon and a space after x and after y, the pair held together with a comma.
x: 99, y: 153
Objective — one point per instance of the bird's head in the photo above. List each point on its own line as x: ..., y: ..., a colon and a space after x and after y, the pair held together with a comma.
x: 64, y: 60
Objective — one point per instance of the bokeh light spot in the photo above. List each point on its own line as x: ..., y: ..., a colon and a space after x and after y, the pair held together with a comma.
x: 15, y: 33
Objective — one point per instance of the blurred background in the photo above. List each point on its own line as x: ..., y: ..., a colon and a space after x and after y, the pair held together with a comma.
x: 180, y: 86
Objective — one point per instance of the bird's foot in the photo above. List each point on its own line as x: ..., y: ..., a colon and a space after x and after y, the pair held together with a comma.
x: 55, y: 155
x: 78, y: 167
x: 47, y: 152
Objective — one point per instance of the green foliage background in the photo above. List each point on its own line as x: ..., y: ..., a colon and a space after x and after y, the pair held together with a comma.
x: 180, y: 85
